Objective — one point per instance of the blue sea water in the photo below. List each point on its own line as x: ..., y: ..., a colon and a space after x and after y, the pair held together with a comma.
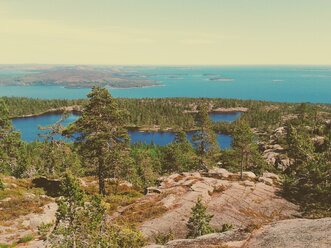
x: 28, y: 127
x: 273, y: 83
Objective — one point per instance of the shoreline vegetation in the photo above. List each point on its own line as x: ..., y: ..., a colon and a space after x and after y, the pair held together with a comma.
x: 165, y: 113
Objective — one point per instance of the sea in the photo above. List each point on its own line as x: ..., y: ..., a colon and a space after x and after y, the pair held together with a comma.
x: 270, y: 83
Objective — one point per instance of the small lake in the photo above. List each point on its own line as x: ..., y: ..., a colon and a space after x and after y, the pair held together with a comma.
x: 224, y: 117
x: 28, y: 127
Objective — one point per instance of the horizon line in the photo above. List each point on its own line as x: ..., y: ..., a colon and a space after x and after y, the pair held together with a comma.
x: 174, y: 65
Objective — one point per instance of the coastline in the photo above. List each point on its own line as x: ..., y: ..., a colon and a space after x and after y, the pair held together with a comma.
x: 73, y: 109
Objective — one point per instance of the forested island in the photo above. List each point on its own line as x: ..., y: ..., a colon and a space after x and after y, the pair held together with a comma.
x: 100, y: 191
x: 74, y: 76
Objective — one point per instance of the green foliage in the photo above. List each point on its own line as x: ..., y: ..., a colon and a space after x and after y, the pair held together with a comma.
x: 70, y: 203
x: 103, y: 142
x: 44, y: 230
x: 226, y: 227
x: 10, y: 142
x: 246, y: 150
x: 308, y: 180
x: 300, y: 146
x: 25, y: 239
x: 198, y: 223
x: 179, y: 156
x: 163, y: 238
x: 2, y: 185
x: 205, y: 137
x: 20, y: 106
x: 81, y: 222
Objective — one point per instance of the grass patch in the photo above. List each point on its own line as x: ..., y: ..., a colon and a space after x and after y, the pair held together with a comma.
x: 21, y: 206
x: 7, y: 245
x: 25, y: 239
x: 21, y: 197
x: 143, y: 211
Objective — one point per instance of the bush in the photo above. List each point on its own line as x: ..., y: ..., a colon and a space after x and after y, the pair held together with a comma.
x: 44, y: 230
x: 163, y: 238
x: 226, y: 227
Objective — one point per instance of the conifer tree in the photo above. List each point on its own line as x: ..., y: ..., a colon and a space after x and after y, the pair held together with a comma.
x: 198, y: 223
x: 179, y: 156
x: 10, y: 142
x: 102, y: 139
x: 243, y: 143
x: 204, y: 138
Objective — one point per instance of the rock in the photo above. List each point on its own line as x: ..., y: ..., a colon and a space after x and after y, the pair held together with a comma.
x: 169, y: 201
x: 265, y: 180
x: 293, y: 233
x: 154, y: 246
x: 219, y: 173
x: 248, y: 183
x: 296, y: 233
x: 152, y: 190
x: 29, y: 196
x: 126, y: 184
x: 248, y: 175
x: 235, y: 237
x: 7, y: 199
x: 279, y: 131
x: 318, y: 140
x: 231, y: 201
x: 51, y: 186
x: 271, y: 175
x: 48, y: 216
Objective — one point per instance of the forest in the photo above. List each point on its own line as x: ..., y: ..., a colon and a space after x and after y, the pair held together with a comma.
x: 102, y: 152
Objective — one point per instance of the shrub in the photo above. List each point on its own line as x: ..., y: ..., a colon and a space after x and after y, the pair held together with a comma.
x: 226, y: 227
x: 44, y: 230
x: 163, y: 238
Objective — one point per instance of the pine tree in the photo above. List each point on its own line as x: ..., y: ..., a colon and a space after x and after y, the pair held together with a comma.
x: 10, y: 142
x: 243, y: 143
x: 204, y: 138
x: 102, y: 139
x: 179, y: 156
x: 198, y: 223
x: 81, y: 222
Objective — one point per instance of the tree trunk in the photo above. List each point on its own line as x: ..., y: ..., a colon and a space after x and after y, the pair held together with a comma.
x: 242, y: 166
x: 102, y: 189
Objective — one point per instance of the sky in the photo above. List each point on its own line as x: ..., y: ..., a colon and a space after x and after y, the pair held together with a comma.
x: 165, y: 32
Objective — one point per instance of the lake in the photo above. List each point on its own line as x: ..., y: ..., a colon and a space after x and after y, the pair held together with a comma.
x: 273, y: 83
x: 28, y: 127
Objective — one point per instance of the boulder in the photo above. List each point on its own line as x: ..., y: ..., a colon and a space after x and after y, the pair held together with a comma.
x: 218, y: 173
x: 265, y: 180
x: 248, y: 175
x: 271, y: 175
x: 152, y: 190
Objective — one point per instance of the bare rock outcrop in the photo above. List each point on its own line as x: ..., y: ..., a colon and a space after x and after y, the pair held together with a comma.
x: 231, y: 201
x: 28, y: 225
x: 294, y: 233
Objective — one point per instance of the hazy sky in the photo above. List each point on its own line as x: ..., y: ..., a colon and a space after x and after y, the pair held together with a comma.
x: 165, y: 31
